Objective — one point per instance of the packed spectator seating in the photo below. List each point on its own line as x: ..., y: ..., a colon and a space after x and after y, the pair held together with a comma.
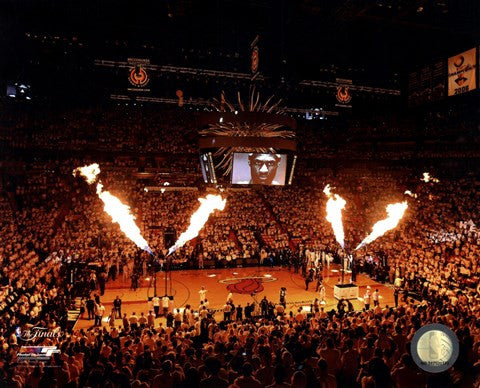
x: 299, y: 349
x: 49, y: 220
x: 115, y: 129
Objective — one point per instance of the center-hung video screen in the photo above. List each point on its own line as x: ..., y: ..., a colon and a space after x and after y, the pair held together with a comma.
x: 259, y: 169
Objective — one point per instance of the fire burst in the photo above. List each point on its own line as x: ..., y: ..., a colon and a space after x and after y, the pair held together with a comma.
x: 395, y: 213
x: 413, y: 195
x: 119, y: 212
x: 199, y: 218
x: 335, y: 205
x: 428, y: 178
x: 90, y: 172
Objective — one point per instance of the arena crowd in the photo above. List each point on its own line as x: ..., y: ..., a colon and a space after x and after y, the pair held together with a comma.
x: 52, y: 222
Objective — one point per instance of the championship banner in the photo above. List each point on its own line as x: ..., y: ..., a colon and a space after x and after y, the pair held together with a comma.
x: 462, y: 72
x: 427, y: 84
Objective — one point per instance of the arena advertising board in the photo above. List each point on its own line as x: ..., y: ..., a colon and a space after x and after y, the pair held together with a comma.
x: 462, y: 70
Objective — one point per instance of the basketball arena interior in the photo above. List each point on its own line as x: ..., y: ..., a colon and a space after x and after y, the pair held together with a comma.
x: 239, y: 193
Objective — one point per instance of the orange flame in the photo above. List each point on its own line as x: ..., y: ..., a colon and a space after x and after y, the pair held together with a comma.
x: 413, y: 195
x: 90, y: 172
x: 119, y: 212
x: 198, y: 219
x: 395, y: 213
x: 335, y: 205
x: 428, y: 178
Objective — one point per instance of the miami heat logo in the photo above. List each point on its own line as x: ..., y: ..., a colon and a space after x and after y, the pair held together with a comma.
x: 138, y: 76
x: 247, y: 285
x: 343, y: 94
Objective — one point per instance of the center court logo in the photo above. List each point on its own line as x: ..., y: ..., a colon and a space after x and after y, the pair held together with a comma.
x: 435, y: 348
x: 248, y: 284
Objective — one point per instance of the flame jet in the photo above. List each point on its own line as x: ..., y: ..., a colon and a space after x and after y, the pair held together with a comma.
x: 89, y: 172
x: 428, y: 178
x: 413, y: 195
x: 395, y: 213
x: 335, y: 205
x: 119, y: 212
x: 198, y: 219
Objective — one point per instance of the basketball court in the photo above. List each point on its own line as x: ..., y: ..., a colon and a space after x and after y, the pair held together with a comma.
x: 246, y: 284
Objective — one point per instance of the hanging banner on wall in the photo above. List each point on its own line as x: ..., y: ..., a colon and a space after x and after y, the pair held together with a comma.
x: 255, y: 60
x: 138, y: 76
x: 427, y: 84
x: 462, y: 72
x: 255, y: 57
x: 343, y: 93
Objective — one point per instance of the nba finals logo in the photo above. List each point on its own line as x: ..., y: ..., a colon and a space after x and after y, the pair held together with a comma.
x: 35, y: 333
x: 33, y: 354
x: 435, y: 348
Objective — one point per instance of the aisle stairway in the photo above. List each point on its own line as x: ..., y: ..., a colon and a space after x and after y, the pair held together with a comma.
x: 74, y: 312
x: 233, y: 236
x: 268, y: 239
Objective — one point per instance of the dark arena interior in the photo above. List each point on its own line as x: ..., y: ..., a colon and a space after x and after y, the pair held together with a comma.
x: 239, y: 193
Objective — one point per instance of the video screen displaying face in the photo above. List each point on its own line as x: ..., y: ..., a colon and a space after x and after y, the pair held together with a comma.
x: 259, y: 169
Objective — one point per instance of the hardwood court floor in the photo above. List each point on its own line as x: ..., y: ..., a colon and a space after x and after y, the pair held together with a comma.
x: 265, y: 281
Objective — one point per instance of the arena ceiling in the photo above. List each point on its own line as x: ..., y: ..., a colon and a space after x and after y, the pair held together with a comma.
x: 299, y: 38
